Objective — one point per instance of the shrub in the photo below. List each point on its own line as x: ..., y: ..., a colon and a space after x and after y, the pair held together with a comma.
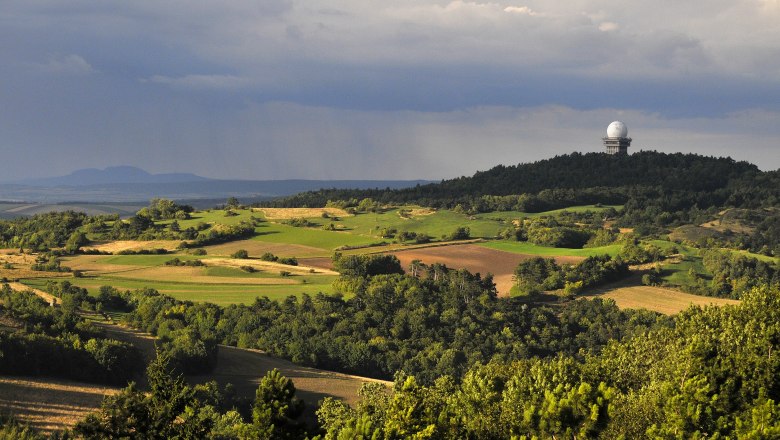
x: 268, y: 257
x: 290, y: 261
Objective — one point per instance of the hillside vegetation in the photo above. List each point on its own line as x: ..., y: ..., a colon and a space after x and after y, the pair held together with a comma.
x: 544, y: 300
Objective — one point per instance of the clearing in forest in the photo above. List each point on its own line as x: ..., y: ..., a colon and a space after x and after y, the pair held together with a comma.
x: 290, y: 213
x: 50, y: 404
x: 628, y: 294
x: 132, y: 245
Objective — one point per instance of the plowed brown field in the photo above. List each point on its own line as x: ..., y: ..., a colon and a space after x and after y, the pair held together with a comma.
x: 474, y: 258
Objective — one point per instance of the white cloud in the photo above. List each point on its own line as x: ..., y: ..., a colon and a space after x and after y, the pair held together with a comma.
x: 525, y: 10
x: 608, y: 26
x: 67, y: 65
x: 202, y: 81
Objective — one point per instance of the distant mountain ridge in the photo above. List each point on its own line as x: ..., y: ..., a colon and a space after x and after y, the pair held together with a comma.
x: 125, y: 184
x: 111, y: 175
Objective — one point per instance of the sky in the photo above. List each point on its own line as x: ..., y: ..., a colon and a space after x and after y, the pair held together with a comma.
x: 363, y: 89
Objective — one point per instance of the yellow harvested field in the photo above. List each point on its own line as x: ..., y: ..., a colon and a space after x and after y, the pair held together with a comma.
x: 20, y: 266
x: 658, y: 299
x: 49, y: 404
x: 288, y: 213
x: 124, y: 245
x: 268, y: 266
x: 94, y: 263
x: 194, y: 275
x: 419, y: 212
x: 19, y: 287
x: 245, y: 369
x: 256, y: 248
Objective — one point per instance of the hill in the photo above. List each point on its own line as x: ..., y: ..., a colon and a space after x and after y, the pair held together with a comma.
x: 591, y: 177
x: 119, y: 174
x: 191, y: 191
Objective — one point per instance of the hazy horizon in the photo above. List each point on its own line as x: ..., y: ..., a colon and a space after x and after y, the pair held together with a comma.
x: 360, y: 90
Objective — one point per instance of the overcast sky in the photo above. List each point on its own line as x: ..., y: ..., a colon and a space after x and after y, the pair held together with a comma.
x: 362, y: 89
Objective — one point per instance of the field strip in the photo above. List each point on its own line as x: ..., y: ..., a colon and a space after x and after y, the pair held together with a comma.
x: 50, y: 404
x: 629, y: 294
x: 183, y: 279
x: 19, y: 287
x: 407, y: 247
x: 267, y: 265
x: 290, y: 213
x: 122, y: 245
x: 21, y: 208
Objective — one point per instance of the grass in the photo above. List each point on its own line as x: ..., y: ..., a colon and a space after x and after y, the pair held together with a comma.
x: 520, y: 214
x: 764, y: 258
x: 524, y: 247
x: 50, y: 404
x: 318, y: 238
x: 442, y: 222
x: 221, y: 294
x: 214, y: 216
x: 148, y: 260
x: 232, y: 272
x: 365, y: 229
x: 657, y: 299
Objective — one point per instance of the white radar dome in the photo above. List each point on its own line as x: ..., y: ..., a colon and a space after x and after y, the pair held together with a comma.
x: 617, y: 129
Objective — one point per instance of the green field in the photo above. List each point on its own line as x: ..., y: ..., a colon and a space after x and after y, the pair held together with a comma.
x: 365, y: 229
x: 677, y: 274
x: 328, y: 240
x: 764, y: 258
x: 214, y: 216
x: 148, y: 260
x: 222, y: 294
x: 524, y: 247
x: 502, y: 215
x: 437, y: 224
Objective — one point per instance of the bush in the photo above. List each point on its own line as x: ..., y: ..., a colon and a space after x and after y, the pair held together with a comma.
x: 178, y: 262
x: 461, y: 233
x: 268, y: 257
x: 290, y: 261
x: 241, y: 254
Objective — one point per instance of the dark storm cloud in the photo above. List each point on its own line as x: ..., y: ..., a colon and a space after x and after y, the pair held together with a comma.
x: 356, y: 89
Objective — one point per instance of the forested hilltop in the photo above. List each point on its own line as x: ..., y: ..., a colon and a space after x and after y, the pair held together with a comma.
x: 588, y: 178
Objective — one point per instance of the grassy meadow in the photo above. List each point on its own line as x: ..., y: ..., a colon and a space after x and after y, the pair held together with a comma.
x: 524, y: 247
